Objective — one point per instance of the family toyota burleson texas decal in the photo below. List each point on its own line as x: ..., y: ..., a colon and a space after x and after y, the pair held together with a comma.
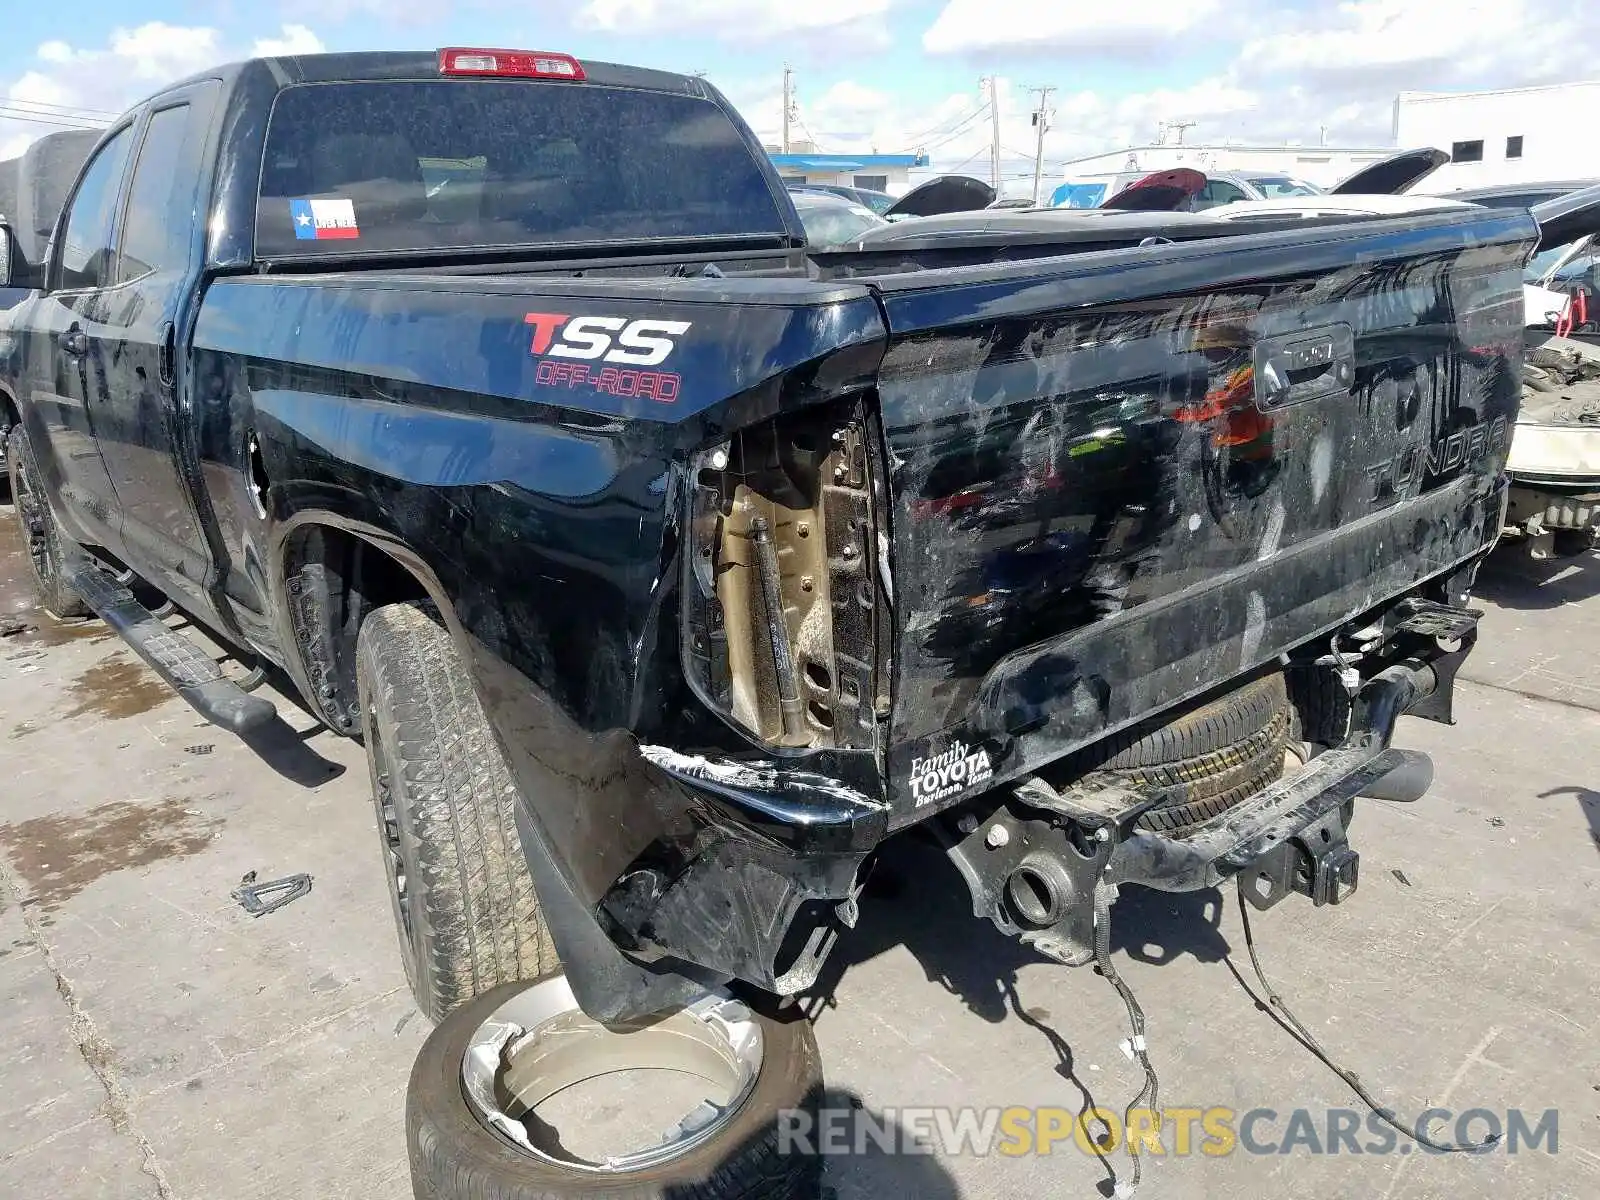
x: 582, y: 340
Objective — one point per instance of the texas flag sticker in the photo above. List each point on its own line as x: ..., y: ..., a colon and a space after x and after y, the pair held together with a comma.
x: 318, y: 219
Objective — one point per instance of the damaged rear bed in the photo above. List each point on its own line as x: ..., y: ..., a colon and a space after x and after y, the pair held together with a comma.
x: 1076, y: 497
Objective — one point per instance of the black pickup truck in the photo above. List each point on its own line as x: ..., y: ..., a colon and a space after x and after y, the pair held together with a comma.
x: 667, y: 570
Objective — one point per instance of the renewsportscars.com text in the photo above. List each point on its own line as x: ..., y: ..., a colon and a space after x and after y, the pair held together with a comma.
x: 1179, y: 1131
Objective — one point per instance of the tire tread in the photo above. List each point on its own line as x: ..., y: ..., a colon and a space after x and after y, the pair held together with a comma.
x: 482, y: 924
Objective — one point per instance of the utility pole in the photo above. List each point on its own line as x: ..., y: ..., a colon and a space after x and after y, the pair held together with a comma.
x: 994, y: 125
x: 1180, y: 126
x: 788, y: 103
x: 1041, y: 123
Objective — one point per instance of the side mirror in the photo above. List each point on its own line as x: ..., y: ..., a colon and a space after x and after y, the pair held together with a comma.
x: 15, y: 269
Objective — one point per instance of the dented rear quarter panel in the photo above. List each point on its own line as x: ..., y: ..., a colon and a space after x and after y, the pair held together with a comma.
x: 411, y: 411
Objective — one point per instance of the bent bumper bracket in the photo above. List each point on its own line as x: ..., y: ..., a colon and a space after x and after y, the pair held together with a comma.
x: 1279, y: 812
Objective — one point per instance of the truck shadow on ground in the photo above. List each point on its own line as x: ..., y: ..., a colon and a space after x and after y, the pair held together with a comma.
x: 915, y: 898
x: 1513, y: 580
x: 867, y: 1169
x: 284, y: 745
x: 287, y: 751
x: 1588, y: 803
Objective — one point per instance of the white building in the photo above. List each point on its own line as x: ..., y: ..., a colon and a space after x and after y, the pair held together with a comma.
x: 875, y: 172
x: 1520, y: 135
x: 1322, y: 165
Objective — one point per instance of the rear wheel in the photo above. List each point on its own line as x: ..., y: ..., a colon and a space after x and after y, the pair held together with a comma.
x: 45, y: 543
x: 463, y: 901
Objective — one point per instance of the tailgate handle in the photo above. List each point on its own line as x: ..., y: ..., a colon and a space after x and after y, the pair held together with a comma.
x: 1305, y: 365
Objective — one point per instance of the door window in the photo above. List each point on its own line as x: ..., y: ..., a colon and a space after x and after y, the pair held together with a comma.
x: 160, y: 223
x: 87, y: 250
x: 1217, y: 192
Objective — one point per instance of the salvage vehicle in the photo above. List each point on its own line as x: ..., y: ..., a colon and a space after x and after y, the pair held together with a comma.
x: 944, y: 194
x: 667, y: 568
x: 1561, y: 283
x: 878, y: 202
x: 1196, y: 190
x: 832, y: 220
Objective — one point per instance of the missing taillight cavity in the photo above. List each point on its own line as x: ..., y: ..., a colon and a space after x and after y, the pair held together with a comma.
x: 515, y: 64
x: 784, y: 608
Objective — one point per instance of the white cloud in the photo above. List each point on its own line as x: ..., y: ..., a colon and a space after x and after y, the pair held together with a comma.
x: 856, y: 24
x: 296, y: 39
x: 972, y: 27
x: 96, y: 83
x: 1422, y: 44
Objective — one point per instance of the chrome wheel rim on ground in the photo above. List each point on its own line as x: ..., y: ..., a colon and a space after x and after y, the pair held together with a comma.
x: 539, y: 1043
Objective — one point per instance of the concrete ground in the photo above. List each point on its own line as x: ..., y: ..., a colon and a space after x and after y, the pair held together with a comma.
x: 159, y: 1042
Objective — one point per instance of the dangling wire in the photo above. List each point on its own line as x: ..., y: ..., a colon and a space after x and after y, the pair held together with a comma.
x: 1307, y: 1039
x: 1104, y: 894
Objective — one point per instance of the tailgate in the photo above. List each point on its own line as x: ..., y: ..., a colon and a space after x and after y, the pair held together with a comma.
x: 1119, y: 480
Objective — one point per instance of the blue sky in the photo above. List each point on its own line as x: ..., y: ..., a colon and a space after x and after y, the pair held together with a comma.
x: 894, y: 75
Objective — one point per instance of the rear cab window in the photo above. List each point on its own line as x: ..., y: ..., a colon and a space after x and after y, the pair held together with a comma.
x: 435, y: 165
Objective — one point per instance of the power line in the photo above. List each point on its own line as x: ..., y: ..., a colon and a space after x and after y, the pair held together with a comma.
x: 72, y: 110
x: 937, y: 127
x: 815, y: 144
x: 958, y: 130
x: 32, y: 118
x: 966, y: 160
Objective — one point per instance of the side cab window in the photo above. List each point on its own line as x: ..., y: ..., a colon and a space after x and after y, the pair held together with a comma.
x: 1217, y: 192
x: 85, y: 254
x: 159, y: 223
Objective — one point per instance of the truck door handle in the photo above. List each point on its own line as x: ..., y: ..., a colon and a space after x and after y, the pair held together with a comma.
x: 75, y: 343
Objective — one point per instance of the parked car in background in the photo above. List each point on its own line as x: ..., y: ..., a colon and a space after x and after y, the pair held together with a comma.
x: 1555, y: 455
x: 1558, y: 274
x: 1225, y: 187
x: 1186, y: 189
x: 833, y: 220
x: 942, y: 195
x: 1091, y: 191
x: 878, y: 202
